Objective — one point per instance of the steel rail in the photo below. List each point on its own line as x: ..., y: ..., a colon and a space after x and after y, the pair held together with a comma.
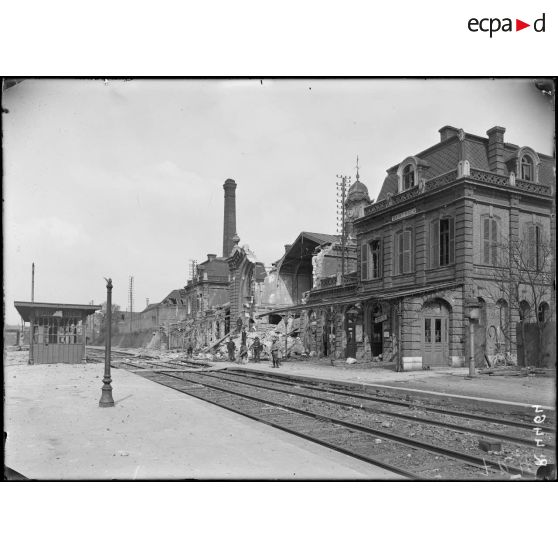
x: 461, y: 414
x: 433, y: 422
x: 313, y: 439
x: 480, y: 462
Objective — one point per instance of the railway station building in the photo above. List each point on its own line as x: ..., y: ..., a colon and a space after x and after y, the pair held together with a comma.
x: 435, y: 246
x: 435, y: 243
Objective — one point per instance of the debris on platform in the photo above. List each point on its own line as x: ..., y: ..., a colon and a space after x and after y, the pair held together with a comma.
x: 490, y: 446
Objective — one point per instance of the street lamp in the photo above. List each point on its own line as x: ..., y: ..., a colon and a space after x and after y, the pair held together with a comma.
x: 106, y: 393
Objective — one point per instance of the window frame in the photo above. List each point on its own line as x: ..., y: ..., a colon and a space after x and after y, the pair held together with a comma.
x: 408, y: 177
x: 368, y: 271
x: 436, y: 242
x: 490, y: 247
x: 534, y: 161
x: 535, y: 238
x: 529, y: 165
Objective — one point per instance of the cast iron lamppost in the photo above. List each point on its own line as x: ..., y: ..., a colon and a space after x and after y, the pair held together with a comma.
x: 106, y: 393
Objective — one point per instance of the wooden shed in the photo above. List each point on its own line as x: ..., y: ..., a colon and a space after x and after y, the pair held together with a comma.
x: 58, y: 331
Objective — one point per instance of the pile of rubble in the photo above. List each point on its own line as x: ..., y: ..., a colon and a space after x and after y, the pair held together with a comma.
x: 288, y: 340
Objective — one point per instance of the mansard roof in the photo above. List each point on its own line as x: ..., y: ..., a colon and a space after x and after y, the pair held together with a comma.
x: 444, y: 156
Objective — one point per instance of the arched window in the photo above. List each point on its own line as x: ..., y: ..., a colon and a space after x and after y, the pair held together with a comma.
x: 527, y: 164
x: 408, y: 177
x: 544, y: 309
x: 527, y: 168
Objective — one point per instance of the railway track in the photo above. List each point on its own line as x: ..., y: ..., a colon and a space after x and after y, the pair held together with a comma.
x: 438, y: 444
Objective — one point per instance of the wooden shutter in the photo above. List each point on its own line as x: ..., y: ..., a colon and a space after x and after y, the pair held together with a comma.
x: 435, y: 243
x: 399, y: 258
x: 364, y: 261
x: 494, y: 241
x: 538, y: 248
x: 451, y: 240
x: 531, y: 246
x: 486, y: 241
x: 406, y: 251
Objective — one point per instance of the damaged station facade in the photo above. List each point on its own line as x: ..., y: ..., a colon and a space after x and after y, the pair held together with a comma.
x: 411, y: 274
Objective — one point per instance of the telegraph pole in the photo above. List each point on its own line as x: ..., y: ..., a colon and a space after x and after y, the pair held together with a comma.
x: 341, y: 229
x: 131, y: 297
x: 33, y: 282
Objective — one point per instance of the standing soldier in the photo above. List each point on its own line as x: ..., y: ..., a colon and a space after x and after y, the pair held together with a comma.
x: 256, y: 347
x: 231, y: 348
x: 275, y: 352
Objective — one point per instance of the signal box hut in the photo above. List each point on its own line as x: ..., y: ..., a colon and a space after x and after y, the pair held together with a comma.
x: 58, y: 331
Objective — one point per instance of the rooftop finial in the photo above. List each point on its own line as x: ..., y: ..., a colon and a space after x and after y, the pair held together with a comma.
x: 357, y: 177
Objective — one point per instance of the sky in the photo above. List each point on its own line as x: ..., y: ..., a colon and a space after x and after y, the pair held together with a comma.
x: 124, y: 178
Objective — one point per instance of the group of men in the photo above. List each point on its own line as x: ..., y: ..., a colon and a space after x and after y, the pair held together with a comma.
x: 256, y: 349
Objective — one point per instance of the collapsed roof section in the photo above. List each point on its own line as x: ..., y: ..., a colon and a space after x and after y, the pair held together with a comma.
x: 298, y: 255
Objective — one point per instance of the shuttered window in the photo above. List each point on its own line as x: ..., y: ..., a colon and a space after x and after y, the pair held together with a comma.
x: 403, y: 243
x: 535, y: 248
x: 490, y: 240
x: 446, y: 241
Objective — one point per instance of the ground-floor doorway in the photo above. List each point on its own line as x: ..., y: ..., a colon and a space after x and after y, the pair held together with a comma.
x: 435, y: 325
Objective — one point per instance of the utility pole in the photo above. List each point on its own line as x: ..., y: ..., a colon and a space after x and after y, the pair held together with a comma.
x: 131, y: 297
x: 341, y: 214
x: 33, y: 282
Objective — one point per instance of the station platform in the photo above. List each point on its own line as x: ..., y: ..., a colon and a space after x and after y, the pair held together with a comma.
x: 57, y: 431
x: 505, y: 388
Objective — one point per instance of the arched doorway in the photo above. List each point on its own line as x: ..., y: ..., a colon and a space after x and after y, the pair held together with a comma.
x: 377, y: 330
x: 435, y: 326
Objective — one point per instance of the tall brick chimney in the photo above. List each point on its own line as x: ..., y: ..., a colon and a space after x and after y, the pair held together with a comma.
x: 229, y: 222
x: 496, y: 161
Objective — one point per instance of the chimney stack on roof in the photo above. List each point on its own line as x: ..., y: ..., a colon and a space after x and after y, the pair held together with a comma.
x: 211, y: 257
x: 229, y: 222
x: 496, y: 160
x: 448, y: 132
x: 288, y: 247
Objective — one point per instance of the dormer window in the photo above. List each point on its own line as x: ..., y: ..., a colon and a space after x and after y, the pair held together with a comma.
x: 408, y: 177
x: 408, y: 173
x: 526, y: 163
x: 527, y: 168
